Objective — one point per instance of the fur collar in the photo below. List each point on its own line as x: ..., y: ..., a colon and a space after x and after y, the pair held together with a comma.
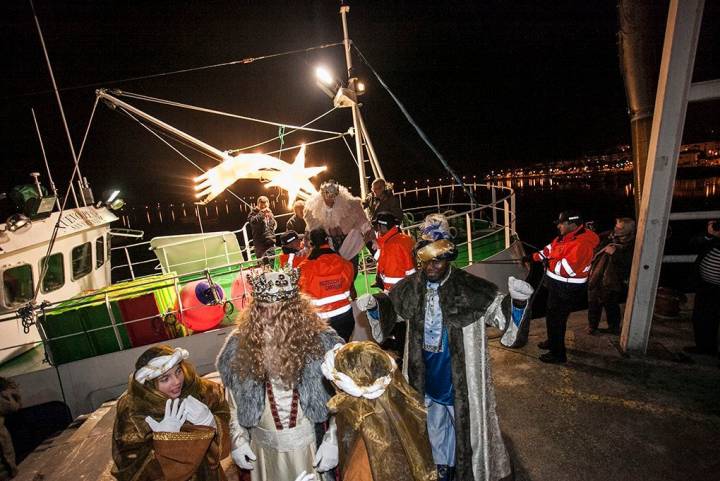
x: 249, y: 394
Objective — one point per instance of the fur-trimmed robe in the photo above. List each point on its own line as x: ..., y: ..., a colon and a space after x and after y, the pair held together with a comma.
x: 347, y: 213
x: 465, y: 301
x: 249, y: 394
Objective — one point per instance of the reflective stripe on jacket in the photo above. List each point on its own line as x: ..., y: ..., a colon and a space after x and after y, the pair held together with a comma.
x: 569, y: 257
x: 394, y: 257
x: 327, y: 279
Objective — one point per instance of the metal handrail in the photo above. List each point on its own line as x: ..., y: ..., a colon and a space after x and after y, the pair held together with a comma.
x: 501, y: 203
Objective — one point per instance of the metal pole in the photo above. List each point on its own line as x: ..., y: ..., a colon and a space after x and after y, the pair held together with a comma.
x: 676, y: 69
x: 374, y: 162
x: 355, y: 113
x: 60, y: 105
x: 494, y: 205
x: 199, y: 144
x: 468, y: 227
x: 506, y: 224
x: 47, y: 166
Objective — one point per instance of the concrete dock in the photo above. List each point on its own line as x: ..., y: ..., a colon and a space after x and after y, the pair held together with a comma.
x: 604, y: 416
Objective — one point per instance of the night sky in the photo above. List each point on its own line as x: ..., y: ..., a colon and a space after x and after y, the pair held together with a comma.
x: 493, y: 84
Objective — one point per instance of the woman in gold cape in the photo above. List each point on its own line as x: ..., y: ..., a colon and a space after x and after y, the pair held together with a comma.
x: 381, y: 420
x: 193, y: 453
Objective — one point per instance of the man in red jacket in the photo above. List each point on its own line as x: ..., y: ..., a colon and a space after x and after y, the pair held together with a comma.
x: 394, y: 255
x: 327, y: 278
x: 567, y: 262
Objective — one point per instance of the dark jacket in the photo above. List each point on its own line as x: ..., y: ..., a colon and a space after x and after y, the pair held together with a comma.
x: 9, y: 403
x: 262, y: 228
x: 297, y: 224
x: 385, y: 203
x: 610, y: 272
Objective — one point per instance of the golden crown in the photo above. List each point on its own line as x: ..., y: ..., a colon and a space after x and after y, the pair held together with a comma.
x: 275, y: 286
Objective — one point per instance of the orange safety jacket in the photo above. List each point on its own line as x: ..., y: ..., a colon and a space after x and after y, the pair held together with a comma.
x: 327, y: 279
x: 294, y: 259
x: 394, y: 257
x: 569, y: 257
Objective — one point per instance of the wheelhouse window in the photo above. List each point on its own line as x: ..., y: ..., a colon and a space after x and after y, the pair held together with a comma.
x: 18, y: 285
x: 99, y: 252
x: 55, y: 274
x: 81, y: 260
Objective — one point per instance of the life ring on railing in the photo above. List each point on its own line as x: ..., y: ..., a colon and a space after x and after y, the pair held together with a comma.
x: 202, y: 309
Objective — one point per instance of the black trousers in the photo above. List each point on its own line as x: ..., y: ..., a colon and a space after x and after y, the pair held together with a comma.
x: 344, y: 324
x: 610, y: 300
x: 561, y: 301
x: 706, y: 317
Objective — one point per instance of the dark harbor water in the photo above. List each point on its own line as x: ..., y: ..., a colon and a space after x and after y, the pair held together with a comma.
x: 538, y: 202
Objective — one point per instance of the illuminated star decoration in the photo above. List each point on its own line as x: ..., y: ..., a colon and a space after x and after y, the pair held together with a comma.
x: 294, y: 178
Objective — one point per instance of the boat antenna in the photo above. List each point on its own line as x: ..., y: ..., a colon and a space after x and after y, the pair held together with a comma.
x: 420, y: 132
x: 357, y: 122
x: 47, y: 166
x: 76, y: 170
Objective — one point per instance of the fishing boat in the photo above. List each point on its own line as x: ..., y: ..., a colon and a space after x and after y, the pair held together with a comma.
x: 69, y: 333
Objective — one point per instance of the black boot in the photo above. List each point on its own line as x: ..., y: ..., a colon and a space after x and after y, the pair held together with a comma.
x: 445, y: 472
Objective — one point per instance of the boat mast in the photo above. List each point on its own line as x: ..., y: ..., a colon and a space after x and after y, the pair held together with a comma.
x: 361, y: 134
x: 76, y: 170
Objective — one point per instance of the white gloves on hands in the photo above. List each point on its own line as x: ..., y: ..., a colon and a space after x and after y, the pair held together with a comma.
x: 198, y: 413
x: 326, y: 457
x: 366, y: 302
x: 519, y: 290
x: 243, y: 456
x: 306, y: 477
x: 175, y: 416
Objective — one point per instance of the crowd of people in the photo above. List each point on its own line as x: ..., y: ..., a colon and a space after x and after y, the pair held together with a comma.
x: 300, y: 401
x: 425, y: 412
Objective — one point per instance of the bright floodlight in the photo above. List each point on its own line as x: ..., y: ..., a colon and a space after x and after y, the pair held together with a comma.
x: 360, y: 87
x: 113, y: 196
x: 324, y: 76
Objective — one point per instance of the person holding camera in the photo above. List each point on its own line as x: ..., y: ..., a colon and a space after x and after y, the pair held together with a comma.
x: 609, y: 271
x: 706, y: 313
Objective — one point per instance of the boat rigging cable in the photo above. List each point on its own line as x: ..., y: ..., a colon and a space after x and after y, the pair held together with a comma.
x: 160, y: 137
x: 420, y: 132
x: 120, y: 93
x: 243, y: 61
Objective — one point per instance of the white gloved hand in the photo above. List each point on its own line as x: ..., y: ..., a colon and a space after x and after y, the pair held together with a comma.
x: 175, y: 416
x: 366, y: 302
x: 326, y: 457
x: 198, y: 413
x: 519, y: 290
x: 243, y: 456
x: 306, y: 477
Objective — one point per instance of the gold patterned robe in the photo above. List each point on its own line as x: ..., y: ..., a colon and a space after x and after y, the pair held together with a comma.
x: 193, y: 454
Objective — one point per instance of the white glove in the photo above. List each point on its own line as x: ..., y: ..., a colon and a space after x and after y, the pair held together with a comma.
x: 326, y: 456
x: 306, y: 477
x: 198, y: 413
x: 366, y: 302
x: 174, y: 418
x: 519, y: 290
x: 243, y: 456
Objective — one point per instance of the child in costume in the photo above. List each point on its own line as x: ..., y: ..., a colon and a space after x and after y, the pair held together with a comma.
x: 171, y: 424
x: 381, y: 420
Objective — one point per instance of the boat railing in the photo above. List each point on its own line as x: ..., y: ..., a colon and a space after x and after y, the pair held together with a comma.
x: 498, y: 211
x: 689, y: 216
